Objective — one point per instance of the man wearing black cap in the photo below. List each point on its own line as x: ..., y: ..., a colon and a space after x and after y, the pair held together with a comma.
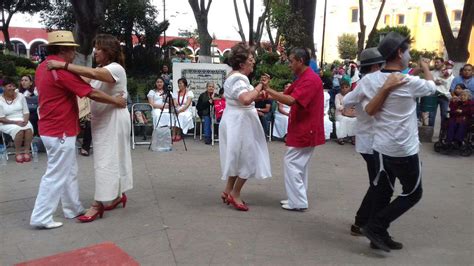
x: 395, y: 141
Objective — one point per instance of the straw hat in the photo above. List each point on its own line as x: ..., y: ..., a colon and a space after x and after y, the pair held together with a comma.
x: 61, y: 37
x: 370, y: 56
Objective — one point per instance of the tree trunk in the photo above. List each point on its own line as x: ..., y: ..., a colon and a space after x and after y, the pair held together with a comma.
x: 374, y: 28
x: 237, y: 15
x: 361, y: 34
x: 250, y: 12
x: 205, y: 39
x: 457, y: 48
x: 89, y: 16
x: 307, y: 8
x: 6, y: 33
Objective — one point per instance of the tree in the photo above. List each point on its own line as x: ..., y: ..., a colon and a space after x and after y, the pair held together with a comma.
x: 11, y: 7
x: 255, y: 36
x: 306, y: 9
x: 347, y: 46
x: 375, y: 38
x: 201, y: 10
x: 59, y: 16
x: 457, y: 48
x: 287, y: 23
x: 363, y: 27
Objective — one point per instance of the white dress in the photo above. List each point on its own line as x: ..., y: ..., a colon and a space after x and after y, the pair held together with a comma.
x: 280, y: 127
x: 327, y: 121
x: 158, y: 98
x: 14, y: 112
x: 345, y: 126
x: 185, y: 118
x: 242, y: 145
x: 111, y: 139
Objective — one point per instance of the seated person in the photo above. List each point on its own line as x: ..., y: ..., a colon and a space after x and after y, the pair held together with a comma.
x: 183, y: 101
x: 156, y: 98
x: 204, y: 105
x: 14, y: 116
x: 219, y: 105
x: 280, y: 127
x: 345, y: 117
x: 31, y: 94
x: 460, y: 117
x: 327, y: 121
x: 264, y: 110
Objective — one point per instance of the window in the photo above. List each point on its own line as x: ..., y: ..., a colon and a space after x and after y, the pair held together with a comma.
x: 400, y: 19
x: 428, y: 17
x: 457, y: 15
x: 386, y: 19
x: 354, y: 15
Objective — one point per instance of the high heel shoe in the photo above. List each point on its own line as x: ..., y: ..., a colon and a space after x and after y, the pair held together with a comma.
x: 122, y: 200
x: 224, y: 197
x: 238, y: 206
x: 99, y: 213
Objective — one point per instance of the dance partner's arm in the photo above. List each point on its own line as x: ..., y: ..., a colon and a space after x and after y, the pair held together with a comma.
x: 282, y: 110
x: 393, y: 81
x: 98, y: 73
x: 102, y: 97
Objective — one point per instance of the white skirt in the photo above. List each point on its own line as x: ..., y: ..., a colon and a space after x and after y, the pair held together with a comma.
x: 345, y: 126
x: 185, y: 121
x: 280, y: 126
x: 165, y: 119
x: 242, y: 145
x: 12, y: 129
x: 327, y: 127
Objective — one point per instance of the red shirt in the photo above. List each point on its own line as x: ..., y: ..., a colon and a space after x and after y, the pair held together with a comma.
x: 305, y: 123
x: 57, y: 90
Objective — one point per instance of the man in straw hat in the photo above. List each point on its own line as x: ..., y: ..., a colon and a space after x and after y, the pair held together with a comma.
x: 58, y: 128
x: 370, y: 61
x: 395, y: 141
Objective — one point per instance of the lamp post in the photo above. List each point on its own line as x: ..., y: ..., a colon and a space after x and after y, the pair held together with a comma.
x: 324, y: 33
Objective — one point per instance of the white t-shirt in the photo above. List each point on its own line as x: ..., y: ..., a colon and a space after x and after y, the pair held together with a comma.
x: 395, y: 125
x: 113, y: 89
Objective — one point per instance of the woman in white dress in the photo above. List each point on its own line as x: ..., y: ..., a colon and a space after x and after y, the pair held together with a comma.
x: 280, y: 127
x: 242, y: 145
x: 327, y: 121
x: 345, y: 117
x: 156, y: 99
x: 110, y: 127
x: 14, y: 117
x: 183, y: 100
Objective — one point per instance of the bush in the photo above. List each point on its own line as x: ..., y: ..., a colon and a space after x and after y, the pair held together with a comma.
x: 281, y: 74
x: 7, y: 68
x: 268, y: 58
x: 347, y: 46
x: 21, y: 71
x: 138, y: 87
x: 19, y: 61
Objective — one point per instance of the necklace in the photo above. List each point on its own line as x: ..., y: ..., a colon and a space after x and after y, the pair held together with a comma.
x: 182, y: 101
x: 9, y: 102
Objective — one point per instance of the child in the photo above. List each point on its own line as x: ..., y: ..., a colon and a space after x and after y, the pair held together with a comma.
x: 345, y: 117
x: 460, y: 116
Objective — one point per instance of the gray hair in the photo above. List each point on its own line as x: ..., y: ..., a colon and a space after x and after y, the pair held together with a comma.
x: 210, y: 83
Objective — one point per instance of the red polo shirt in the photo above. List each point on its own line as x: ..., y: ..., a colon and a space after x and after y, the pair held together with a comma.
x: 57, y: 90
x: 305, y: 123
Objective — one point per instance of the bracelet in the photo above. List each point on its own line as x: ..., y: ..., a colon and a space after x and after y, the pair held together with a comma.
x: 66, y: 65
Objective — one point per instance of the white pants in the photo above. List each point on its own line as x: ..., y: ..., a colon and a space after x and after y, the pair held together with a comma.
x: 296, y: 166
x: 58, y: 183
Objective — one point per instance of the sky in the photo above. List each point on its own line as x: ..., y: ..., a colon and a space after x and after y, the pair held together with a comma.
x: 222, y: 21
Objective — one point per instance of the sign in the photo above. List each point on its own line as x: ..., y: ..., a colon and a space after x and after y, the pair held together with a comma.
x: 198, y: 75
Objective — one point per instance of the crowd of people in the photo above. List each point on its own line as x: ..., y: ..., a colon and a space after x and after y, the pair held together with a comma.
x: 375, y: 105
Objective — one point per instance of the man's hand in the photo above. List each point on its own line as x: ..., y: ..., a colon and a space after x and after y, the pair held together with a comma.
x: 265, y: 80
x: 394, y: 81
x: 120, y: 101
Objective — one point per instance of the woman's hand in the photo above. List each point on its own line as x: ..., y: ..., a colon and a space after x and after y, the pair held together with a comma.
x: 22, y: 123
x: 54, y: 64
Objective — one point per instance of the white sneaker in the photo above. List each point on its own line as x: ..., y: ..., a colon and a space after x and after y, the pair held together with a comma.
x: 288, y: 208
x: 51, y: 225
x: 284, y: 202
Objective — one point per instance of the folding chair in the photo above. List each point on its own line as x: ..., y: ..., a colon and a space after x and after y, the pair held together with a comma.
x: 140, y: 107
x: 197, y: 119
x: 6, y: 140
x: 214, y: 122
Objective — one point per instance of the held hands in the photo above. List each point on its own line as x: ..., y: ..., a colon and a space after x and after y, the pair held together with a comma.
x: 54, y: 64
x: 424, y: 63
x: 265, y: 81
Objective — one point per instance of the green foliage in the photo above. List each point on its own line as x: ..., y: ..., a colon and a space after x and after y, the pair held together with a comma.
x: 18, y: 61
x: 138, y: 87
x: 7, y: 68
x: 21, y: 71
x: 336, y: 63
x: 347, y: 46
x: 268, y: 58
x: 291, y: 25
x: 59, y: 16
x: 375, y: 40
x: 416, y: 54
x: 281, y: 74
x: 181, y: 43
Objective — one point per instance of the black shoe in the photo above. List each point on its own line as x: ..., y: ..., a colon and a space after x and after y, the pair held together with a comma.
x: 355, y: 230
x: 375, y: 238
x: 208, y: 141
x: 392, y: 244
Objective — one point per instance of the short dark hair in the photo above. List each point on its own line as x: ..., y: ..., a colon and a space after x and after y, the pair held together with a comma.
x: 239, y: 53
x: 366, y: 69
x: 461, y: 85
x: 301, y: 54
x: 185, y: 81
x: 466, y: 65
x: 439, y: 58
x: 403, y: 46
x: 8, y: 80
x: 53, y: 49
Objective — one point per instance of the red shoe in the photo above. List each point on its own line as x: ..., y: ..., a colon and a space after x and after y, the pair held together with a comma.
x: 178, y: 138
x: 238, y: 206
x: 19, y: 158
x: 122, y: 200
x: 87, y: 219
x: 26, y: 157
x: 224, y: 197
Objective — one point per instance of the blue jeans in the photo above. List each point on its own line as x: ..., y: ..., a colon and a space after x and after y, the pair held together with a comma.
x: 207, y: 126
x: 443, y: 103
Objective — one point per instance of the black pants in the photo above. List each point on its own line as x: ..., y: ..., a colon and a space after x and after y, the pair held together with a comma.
x: 87, y: 136
x: 407, y: 170
x: 369, y: 206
